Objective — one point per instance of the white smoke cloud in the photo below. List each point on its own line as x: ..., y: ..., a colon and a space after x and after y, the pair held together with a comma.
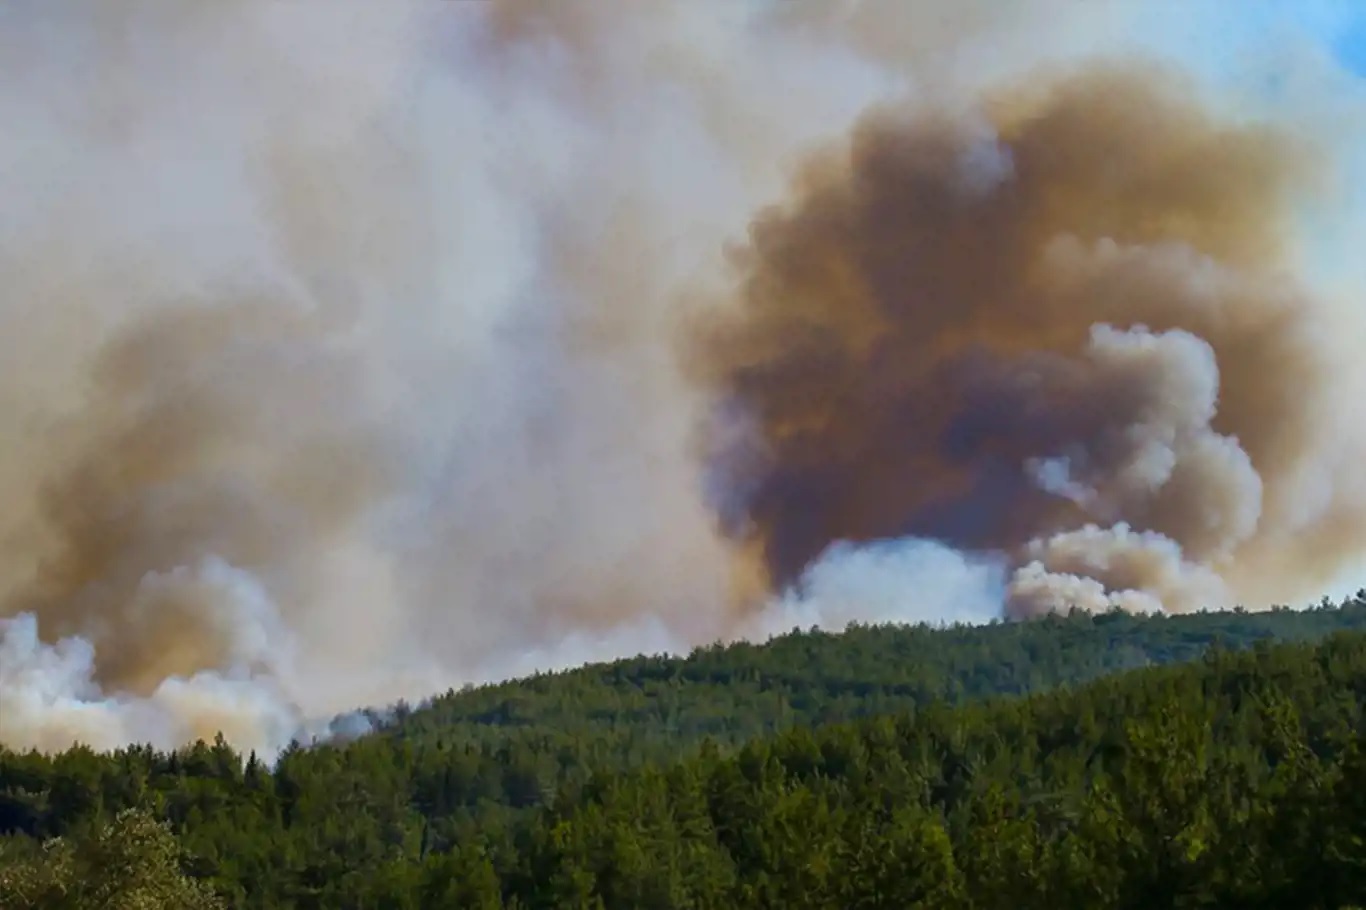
x: 50, y: 700
x: 339, y: 348
x: 893, y: 581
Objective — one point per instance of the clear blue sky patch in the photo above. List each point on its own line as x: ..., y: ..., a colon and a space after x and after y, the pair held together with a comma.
x: 1351, y: 44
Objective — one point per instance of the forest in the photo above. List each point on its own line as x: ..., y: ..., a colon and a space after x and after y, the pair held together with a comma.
x: 1206, y: 760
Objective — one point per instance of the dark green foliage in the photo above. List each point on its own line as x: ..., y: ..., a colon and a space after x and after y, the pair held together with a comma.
x: 863, y: 770
x: 731, y: 694
x: 133, y: 863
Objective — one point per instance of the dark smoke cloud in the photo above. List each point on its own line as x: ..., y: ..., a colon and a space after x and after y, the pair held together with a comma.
x: 1065, y: 329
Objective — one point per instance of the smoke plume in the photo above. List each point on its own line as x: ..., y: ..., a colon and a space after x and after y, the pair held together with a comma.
x: 1067, y: 330
x: 349, y: 357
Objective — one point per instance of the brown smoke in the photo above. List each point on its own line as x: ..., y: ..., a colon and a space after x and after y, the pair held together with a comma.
x: 1065, y: 329
x: 227, y: 432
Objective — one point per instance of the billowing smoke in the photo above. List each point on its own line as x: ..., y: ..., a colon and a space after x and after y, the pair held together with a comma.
x: 1065, y: 329
x: 352, y: 356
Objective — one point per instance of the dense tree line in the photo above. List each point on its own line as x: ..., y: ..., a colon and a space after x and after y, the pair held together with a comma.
x: 879, y: 778
x: 730, y: 694
x: 1235, y: 782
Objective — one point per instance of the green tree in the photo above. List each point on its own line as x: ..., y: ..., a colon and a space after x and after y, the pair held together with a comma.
x: 134, y: 863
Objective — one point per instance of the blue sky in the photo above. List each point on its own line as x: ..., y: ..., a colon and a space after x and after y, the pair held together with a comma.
x: 1214, y: 33
x: 1349, y: 45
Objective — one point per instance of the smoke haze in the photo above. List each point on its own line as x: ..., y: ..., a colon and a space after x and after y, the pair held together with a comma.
x: 349, y: 357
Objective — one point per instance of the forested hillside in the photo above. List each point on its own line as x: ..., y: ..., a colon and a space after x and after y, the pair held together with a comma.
x: 651, y: 705
x: 1234, y: 779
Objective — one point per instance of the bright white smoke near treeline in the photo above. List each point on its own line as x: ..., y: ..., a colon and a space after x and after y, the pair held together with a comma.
x: 355, y: 352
